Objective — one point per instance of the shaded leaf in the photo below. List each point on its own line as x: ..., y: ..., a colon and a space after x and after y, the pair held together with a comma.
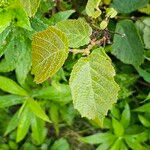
x: 49, y: 52
x: 143, y: 73
x: 77, y: 31
x: 125, y: 48
x: 125, y: 118
x: 93, y: 88
x: 13, y: 123
x: 127, y: 6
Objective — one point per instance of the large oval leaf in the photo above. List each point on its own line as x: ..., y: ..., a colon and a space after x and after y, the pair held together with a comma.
x: 49, y: 52
x: 129, y: 49
x: 77, y: 31
x: 92, y: 85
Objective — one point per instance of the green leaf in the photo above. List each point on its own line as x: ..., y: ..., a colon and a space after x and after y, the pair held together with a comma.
x: 14, y: 51
x: 143, y: 73
x: 133, y: 144
x: 5, y: 18
x: 37, y: 110
x: 125, y: 118
x: 20, y: 17
x: 118, y: 128
x: 97, y: 138
x: 23, y: 124
x: 60, y: 16
x: 23, y: 66
x: 10, y: 100
x: 107, y: 144
x: 143, y: 108
x: 12, y: 87
x: 146, y: 36
x: 30, y: 6
x: 92, y: 8
x: 127, y: 6
x: 111, y: 12
x: 125, y: 48
x: 49, y: 52
x: 77, y: 31
x: 60, y: 93
x: 93, y: 88
x: 59, y: 144
x: 13, y: 123
x: 144, y: 121
x: 54, y: 115
x: 38, y: 130
x: 116, y: 145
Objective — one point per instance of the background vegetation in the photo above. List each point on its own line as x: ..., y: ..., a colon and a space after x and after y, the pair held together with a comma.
x: 114, y: 34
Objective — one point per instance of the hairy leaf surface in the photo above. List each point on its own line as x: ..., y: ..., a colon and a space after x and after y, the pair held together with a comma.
x: 49, y: 52
x: 92, y: 85
x: 77, y: 31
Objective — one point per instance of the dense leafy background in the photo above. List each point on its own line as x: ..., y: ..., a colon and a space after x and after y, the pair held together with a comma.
x: 46, y: 42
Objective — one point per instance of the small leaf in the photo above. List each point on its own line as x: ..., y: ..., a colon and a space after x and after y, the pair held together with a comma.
x: 54, y: 115
x: 146, y: 37
x: 116, y: 145
x: 125, y: 118
x: 60, y: 93
x: 111, y: 12
x: 49, y: 52
x: 143, y: 108
x: 103, y: 24
x: 118, y: 128
x: 59, y: 144
x: 143, y: 73
x: 12, y: 87
x: 93, y: 88
x: 23, y: 67
x: 13, y: 123
x: 60, y: 16
x: 23, y: 124
x: 144, y: 121
x: 10, y: 100
x: 77, y: 31
x: 92, y: 8
x: 30, y: 6
x: 37, y: 110
x: 38, y: 130
x: 124, y: 48
x: 97, y: 138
